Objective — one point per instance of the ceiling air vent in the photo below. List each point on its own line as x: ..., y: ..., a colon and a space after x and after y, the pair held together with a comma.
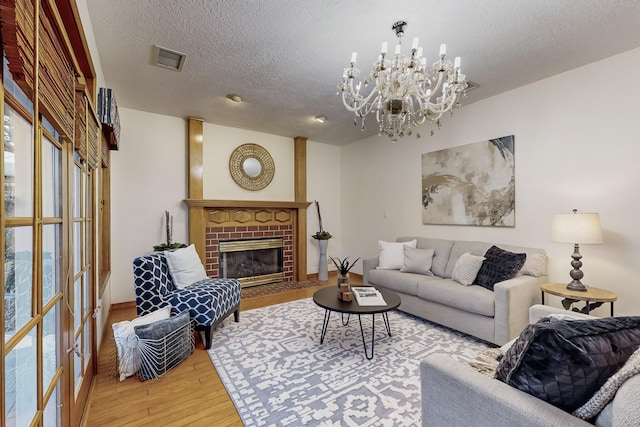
x: 471, y: 85
x: 168, y: 58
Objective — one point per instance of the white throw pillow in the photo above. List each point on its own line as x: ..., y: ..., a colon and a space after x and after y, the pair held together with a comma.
x: 185, y: 266
x: 466, y: 268
x: 417, y: 260
x: 392, y: 254
x: 127, y: 342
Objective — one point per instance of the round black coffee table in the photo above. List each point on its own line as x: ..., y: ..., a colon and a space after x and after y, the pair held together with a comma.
x: 327, y: 298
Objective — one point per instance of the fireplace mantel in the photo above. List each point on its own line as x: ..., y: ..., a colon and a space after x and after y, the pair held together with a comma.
x: 212, y: 203
x: 249, y: 216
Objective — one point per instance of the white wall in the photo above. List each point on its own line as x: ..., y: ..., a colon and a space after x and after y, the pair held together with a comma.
x: 220, y: 141
x: 324, y: 185
x: 576, y: 146
x: 148, y: 176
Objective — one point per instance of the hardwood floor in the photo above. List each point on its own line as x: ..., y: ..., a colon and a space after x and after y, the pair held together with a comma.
x: 191, y: 394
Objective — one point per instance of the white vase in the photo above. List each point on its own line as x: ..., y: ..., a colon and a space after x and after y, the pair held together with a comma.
x: 323, y: 269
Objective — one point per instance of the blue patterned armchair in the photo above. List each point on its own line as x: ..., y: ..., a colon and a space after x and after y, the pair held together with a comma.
x: 209, y: 301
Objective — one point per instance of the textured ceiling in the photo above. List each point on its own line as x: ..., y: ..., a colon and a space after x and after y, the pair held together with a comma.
x: 285, y: 57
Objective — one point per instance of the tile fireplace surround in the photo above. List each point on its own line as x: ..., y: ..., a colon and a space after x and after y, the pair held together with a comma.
x: 211, y: 221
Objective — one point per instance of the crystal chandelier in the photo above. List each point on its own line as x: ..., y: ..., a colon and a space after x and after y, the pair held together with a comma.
x: 407, y: 92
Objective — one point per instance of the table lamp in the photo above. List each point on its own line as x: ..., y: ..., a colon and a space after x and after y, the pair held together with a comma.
x: 576, y: 228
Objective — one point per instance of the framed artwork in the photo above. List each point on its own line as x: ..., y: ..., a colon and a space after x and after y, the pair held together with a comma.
x: 471, y: 184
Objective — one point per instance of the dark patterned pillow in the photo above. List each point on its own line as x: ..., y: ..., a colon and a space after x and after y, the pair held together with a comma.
x: 565, y: 362
x: 163, y: 345
x: 499, y: 265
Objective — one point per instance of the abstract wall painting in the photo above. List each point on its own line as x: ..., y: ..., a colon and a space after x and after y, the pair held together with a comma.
x: 471, y: 184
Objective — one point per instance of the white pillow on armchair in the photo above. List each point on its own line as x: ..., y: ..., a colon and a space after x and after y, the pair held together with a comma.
x: 185, y: 266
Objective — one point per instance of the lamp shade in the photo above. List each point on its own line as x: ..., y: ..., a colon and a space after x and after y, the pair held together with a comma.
x: 576, y: 228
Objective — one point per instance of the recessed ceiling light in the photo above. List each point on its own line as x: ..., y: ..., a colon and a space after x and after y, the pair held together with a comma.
x: 235, y: 98
x: 320, y: 119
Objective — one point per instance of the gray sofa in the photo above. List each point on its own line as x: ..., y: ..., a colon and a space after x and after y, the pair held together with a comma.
x: 454, y: 394
x: 494, y: 316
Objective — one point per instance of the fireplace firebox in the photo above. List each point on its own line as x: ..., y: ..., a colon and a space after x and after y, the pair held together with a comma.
x: 252, y: 261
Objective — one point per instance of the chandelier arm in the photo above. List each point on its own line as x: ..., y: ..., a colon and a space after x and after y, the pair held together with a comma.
x: 360, y: 111
x: 438, y: 86
x: 358, y: 98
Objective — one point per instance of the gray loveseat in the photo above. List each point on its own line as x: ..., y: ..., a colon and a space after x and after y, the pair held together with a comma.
x: 496, y: 316
x: 454, y: 394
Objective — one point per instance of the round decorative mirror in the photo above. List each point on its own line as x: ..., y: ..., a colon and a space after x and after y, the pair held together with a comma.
x: 251, y: 167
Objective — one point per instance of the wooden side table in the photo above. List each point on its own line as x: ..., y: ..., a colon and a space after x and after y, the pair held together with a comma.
x: 590, y: 295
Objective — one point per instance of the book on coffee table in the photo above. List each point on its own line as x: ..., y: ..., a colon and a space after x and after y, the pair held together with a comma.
x: 368, y: 296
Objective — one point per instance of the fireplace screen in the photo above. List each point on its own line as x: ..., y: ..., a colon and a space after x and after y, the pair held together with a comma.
x: 252, y: 262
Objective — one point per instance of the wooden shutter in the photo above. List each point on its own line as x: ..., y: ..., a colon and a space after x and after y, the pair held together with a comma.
x: 80, y: 137
x: 93, y: 139
x: 16, y: 26
x: 105, y: 151
x: 56, y: 77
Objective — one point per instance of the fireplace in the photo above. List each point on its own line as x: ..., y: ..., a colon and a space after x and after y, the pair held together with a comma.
x: 212, y: 222
x: 220, y: 241
x: 252, y: 261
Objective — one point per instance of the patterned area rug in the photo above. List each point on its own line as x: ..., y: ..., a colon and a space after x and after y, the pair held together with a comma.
x: 278, y: 374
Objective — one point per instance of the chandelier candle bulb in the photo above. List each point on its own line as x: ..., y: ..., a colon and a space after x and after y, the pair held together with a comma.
x: 443, y: 50
x: 354, y: 55
x: 414, y: 45
x: 383, y: 50
x: 398, y: 47
x: 456, y: 63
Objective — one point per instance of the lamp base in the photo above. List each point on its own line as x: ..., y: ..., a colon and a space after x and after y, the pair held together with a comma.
x: 576, y: 274
x: 577, y: 285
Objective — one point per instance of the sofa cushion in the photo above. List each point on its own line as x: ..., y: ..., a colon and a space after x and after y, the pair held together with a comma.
x: 467, y: 268
x: 474, y: 299
x: 417, y: 261
x: 441, y: 251
x: 499, y: 265
x: 460, y: 247
x: 536, y: 263
x: 406, y: 283
x: 391, y: 256
x: 624, y: 409
x: 564, y: 362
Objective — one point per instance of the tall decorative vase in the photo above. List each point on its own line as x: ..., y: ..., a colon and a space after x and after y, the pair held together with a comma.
x: 323, y: 269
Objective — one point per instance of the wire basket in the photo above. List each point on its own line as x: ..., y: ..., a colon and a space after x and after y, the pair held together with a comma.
x: 159, y: 355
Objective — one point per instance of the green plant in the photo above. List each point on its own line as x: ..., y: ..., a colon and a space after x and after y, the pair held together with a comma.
x: 320, y: 235
x: 568, y: 302
x: 344, y: 265
x: 169, y: 244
